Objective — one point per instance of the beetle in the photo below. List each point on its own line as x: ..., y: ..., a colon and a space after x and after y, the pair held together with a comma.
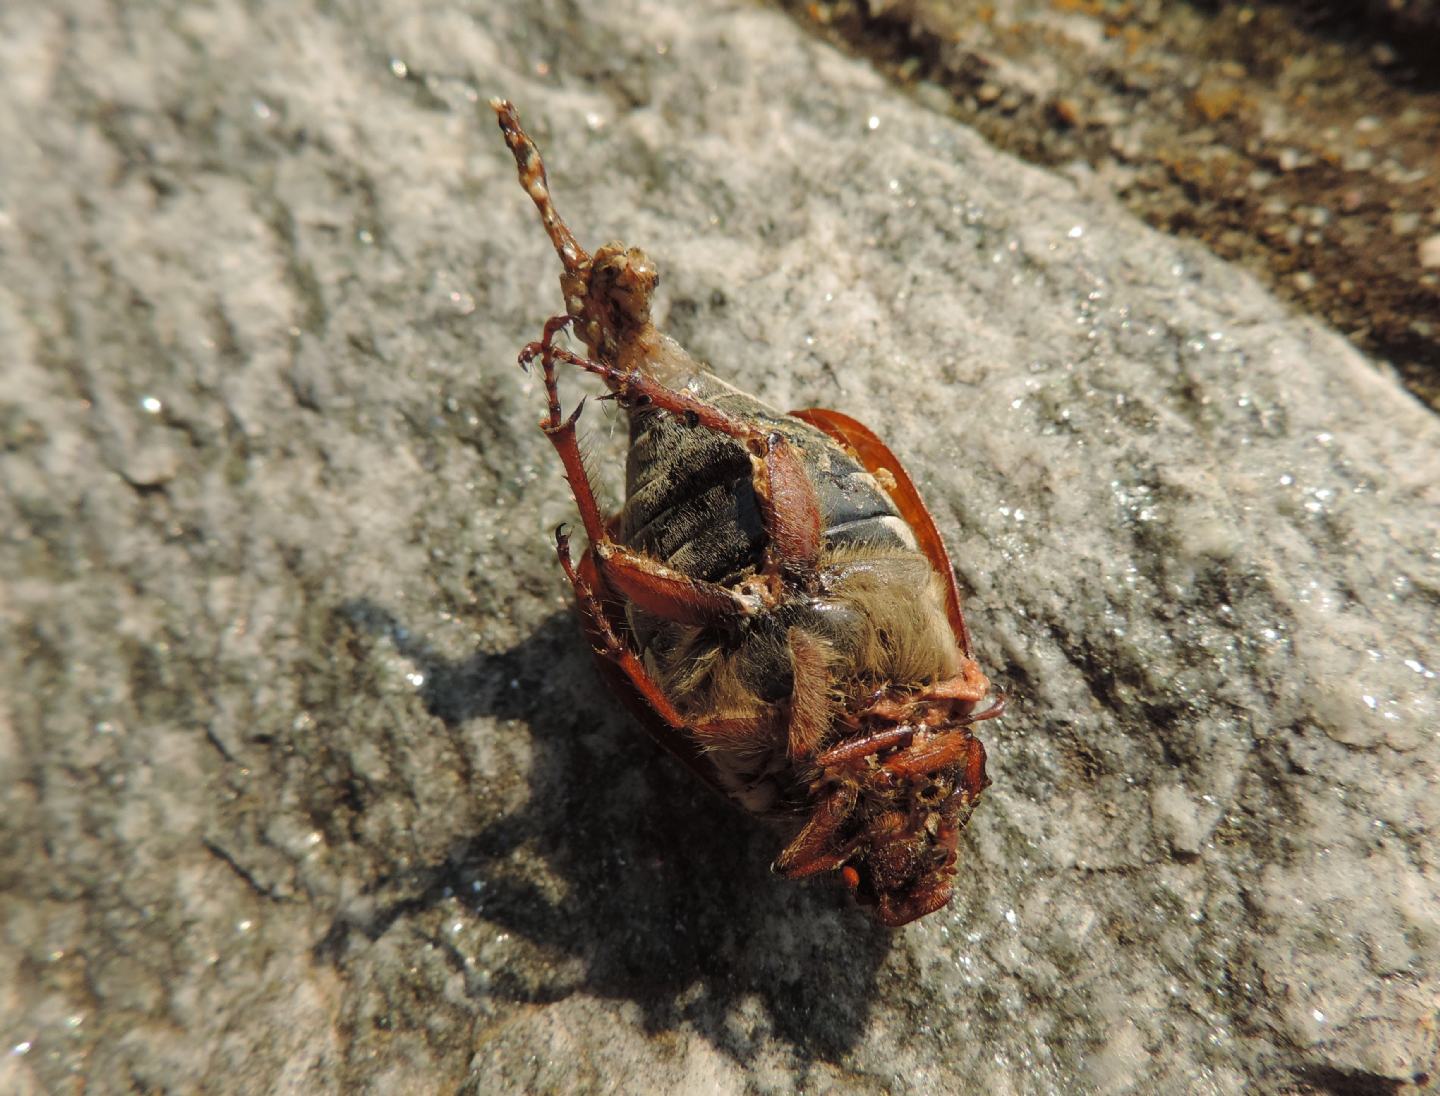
x: 773, y: 600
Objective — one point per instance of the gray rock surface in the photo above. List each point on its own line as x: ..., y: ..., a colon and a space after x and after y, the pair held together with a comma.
x: 308, y: 785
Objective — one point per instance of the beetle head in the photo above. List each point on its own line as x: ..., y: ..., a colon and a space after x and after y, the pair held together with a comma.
x: 905, y: 864
x: 899, y: 794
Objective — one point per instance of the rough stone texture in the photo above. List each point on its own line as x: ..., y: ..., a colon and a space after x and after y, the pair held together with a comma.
x: 307, y: 783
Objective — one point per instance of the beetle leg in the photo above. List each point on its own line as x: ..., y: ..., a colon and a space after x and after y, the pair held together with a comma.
x: 815, y: 848
x: 604, y: 626
x: 625, y: 660
x: 611, y: 645
x: 561, y: 430
x: 667, y: 593
x: 789, y: 509
x: 858, y: 749
x: 969, y: 685
x: 919, y: 759
x: 553, y: 326
x: 651, y: 585
x: 940, y: 752
x: 532, y: 178
x: 995, y: 711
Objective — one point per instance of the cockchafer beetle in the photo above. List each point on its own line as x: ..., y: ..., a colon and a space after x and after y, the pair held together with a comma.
x: 773, y: 600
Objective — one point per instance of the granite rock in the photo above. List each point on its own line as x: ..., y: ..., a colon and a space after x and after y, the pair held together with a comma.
x: 308, y: 783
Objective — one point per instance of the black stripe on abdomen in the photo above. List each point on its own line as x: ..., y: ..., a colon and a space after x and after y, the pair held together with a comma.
x: 689, y: 500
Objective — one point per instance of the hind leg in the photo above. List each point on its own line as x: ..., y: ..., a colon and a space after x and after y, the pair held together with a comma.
x: 651, y: 585
x: 789, y: 509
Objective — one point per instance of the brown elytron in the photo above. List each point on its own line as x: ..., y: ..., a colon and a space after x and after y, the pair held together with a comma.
x: 773, y: 601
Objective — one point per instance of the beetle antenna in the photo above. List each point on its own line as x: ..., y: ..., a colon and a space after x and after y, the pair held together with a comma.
x: 532, y: 178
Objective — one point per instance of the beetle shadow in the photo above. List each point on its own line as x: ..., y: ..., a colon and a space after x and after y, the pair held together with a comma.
x: 623, y: 877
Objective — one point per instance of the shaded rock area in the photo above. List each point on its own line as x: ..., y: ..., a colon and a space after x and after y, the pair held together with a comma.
x: 308, y: 784
x: 1296, y: 137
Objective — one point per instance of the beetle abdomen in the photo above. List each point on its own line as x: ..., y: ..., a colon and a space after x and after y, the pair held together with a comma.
x: 690, y: 501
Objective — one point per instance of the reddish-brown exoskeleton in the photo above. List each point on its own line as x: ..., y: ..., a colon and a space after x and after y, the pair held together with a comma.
x: 773, y: 600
